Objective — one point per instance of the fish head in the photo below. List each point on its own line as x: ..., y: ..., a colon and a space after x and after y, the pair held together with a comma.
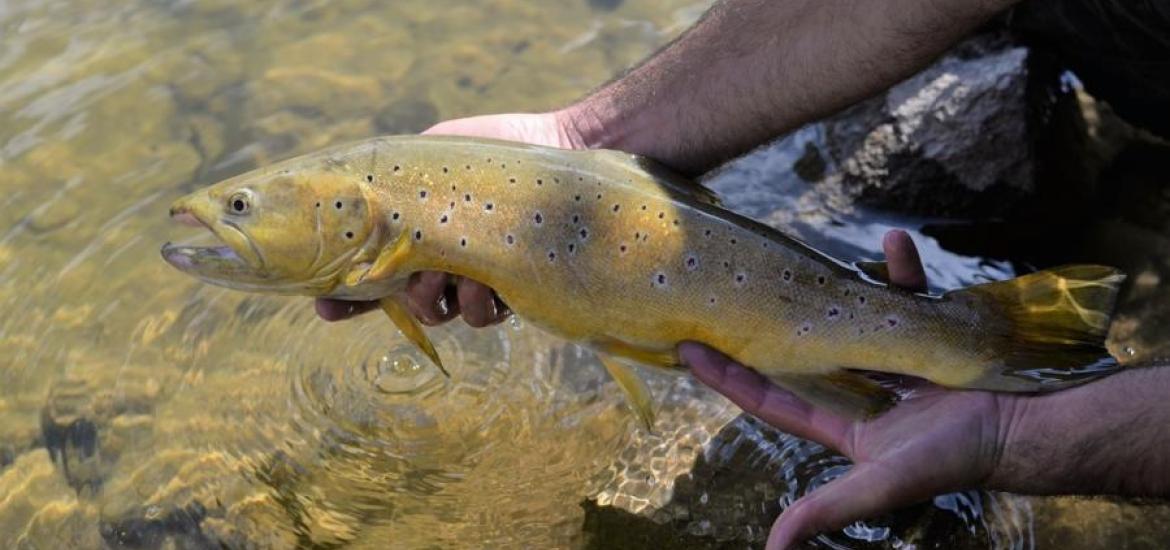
x: 284, y: 231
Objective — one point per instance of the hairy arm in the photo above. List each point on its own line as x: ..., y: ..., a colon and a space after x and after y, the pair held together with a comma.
x: 1108, y: 437
x: 753, y: 69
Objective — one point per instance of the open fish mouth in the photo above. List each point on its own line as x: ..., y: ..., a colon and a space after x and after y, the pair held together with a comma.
x: 219, y: 263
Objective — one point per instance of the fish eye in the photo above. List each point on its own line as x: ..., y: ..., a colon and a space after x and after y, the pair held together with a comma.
x: 239, y: 203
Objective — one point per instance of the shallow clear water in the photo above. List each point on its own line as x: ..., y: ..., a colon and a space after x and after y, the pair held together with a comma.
x: 141, y: 409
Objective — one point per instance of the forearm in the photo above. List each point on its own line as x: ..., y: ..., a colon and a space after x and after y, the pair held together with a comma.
x: 1111, y: 436
x: 753, y: 69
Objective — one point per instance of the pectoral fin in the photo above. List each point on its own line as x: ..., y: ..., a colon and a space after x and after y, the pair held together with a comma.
x: 641, y: 400
x: 384, y: 266
x: 845, y: 393
x: 411, y: 329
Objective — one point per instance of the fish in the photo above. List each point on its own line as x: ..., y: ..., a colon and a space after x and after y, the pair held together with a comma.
x: 615, y: 252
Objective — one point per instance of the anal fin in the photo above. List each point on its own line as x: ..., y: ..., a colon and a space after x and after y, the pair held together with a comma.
x: 411, y: 329
x: 842, y: 392
x: 636, y: 390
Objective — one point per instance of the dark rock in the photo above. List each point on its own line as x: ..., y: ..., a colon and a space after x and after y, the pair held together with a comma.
x: 750, y: 471
x: 1118, y: 49
x: 407, y: 116
x: 71, y: 436
x: 957, y: 138
x: 181, y: 527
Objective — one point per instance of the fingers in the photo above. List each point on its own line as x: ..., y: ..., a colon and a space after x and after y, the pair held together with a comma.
x: 903, y: 262
x: 336, y: 310
x: 760, y: 398
x: 479, y: 304
x: 426, y: 297
x: 865, y: 491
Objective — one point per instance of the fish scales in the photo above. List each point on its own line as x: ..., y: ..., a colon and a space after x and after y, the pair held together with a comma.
x: 611, y: 251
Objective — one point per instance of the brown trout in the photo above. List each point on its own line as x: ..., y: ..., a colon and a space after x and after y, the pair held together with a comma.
x: 612, y: 251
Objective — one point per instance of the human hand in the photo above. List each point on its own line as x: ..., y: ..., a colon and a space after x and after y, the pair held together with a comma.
x: 932, y: 442
x: 435, y: 297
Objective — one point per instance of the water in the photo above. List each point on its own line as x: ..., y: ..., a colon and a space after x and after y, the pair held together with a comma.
x: 140, y: 409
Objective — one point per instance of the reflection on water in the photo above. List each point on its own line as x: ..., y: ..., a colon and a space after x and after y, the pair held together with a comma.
x: 140, y: 409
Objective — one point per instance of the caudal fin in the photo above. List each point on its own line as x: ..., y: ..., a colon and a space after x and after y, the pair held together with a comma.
x: 1054, y: 327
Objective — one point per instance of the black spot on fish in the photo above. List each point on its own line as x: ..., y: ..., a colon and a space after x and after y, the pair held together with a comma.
x: 834, y: 312
x: 418, y: 234
x: 616, y: 207
x: 643, y: 207
x: 572, y: 247
x: 511, y: 180
x: 487, y: 206
x: 599, y: 196
x: 397, y: 167
x: 539, y: 219
x: 661, y: 215
x: 370, y: 178
x: 443, y: 218
x: 539, y: 181
x: 463, y: 241
x: 733, y: 241
x: 622, y: 249
x: 740, y: 278
x: 422, y: 194
x: 318, y: 204
x: 892, y: 321
x: 395, y: 216
x: 466, y: 197
x: 821, y: 280
x: 786, y: 275
x: 349, y: 234
x: 576, y: 218
x: 445, y: 170
x: 337, y: 205
x: 552, y: 255
x: 707, y: 233
x: 467, y: 166
x: 451, y: 204
x: 861, y: 300
x: 584, y: 233
x: 509, y: 239
x: 726, y: 264
x: 692, y: 263
x: 675, y: 222
x: 577, y: 197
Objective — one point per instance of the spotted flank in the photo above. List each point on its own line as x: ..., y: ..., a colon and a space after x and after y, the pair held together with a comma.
x: 615, y: 252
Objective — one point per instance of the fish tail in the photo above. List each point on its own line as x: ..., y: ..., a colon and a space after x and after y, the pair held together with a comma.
x: 1054, y: 323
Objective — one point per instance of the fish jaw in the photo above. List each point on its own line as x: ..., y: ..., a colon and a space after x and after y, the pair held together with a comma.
x: 236, y: 264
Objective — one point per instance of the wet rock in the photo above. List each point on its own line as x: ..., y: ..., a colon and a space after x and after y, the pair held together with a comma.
x: 406, y: 116
x: 953, y: 139
x: 152, y: 529
x: 71, y: 438
x: 750, y: 471
x: 86, y: 429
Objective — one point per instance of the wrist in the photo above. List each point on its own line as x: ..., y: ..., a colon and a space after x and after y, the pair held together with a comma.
x: 588, y: 125
x: 1104, y: 437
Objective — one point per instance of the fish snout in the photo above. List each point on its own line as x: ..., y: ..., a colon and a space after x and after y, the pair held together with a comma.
x: 181, y: 213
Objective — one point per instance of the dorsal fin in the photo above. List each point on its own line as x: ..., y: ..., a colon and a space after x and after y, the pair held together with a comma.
x: 662, y: 175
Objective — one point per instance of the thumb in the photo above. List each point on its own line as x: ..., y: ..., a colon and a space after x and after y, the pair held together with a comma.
x: 865, y: 491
